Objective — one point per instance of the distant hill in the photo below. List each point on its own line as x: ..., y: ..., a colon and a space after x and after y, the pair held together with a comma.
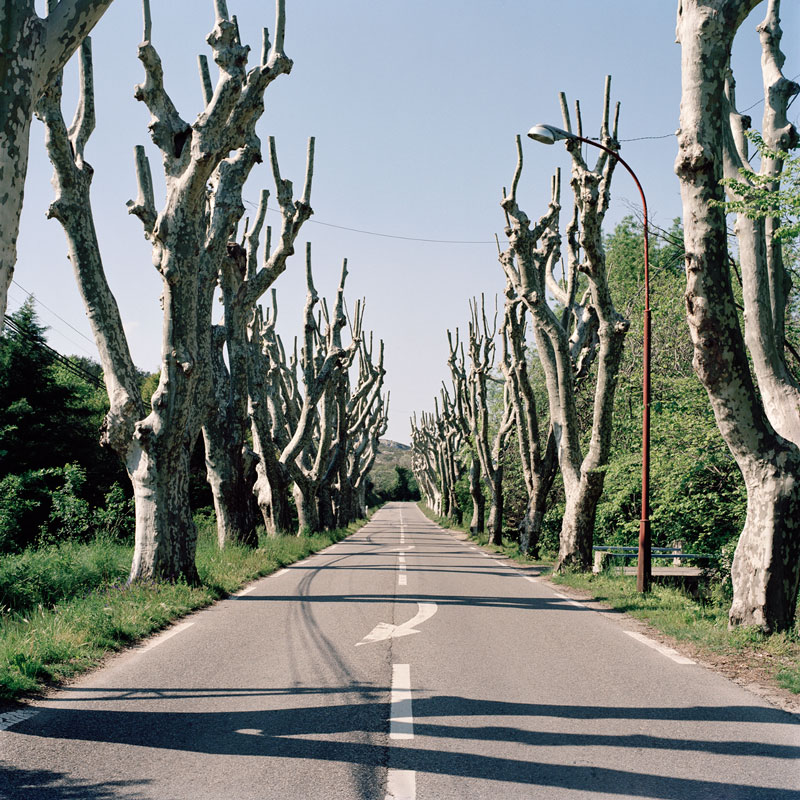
x: 390, y: 454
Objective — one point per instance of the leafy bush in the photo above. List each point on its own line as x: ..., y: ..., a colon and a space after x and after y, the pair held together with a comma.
x: 116, y: 518
x: 70, y: 516
x: 25, y: 502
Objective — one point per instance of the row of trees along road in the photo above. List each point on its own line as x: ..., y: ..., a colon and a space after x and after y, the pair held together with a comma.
x: 269, y: 420
x: 735, y: 482
x: 583, y: 338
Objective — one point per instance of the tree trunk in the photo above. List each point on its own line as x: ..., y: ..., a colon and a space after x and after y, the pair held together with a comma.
x: 228, y: 467
x: 478, y: 500
x: 764, y: 575
x: 307, y: 510
x: 348, y: 508
x: 166, y: 537
x: 33, y: 50
x: 228, y: 476
x: 766, y: 566
x: 327, y: 515
x: 361, y: 501
x: 272, y: 496
x: 577, y: 526
x: 495, y: 523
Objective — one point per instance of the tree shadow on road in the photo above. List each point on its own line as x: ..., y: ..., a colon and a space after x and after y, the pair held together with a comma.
x: 43, y: 784
x: 275, y: 732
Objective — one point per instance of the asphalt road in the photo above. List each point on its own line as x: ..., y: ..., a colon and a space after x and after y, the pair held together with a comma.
x: 400, y: 663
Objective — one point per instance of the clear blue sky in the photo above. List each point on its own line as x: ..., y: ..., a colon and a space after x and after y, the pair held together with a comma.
x: 415, y: 106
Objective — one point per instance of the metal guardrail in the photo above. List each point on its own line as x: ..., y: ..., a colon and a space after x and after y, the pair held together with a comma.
x: 656, y: 552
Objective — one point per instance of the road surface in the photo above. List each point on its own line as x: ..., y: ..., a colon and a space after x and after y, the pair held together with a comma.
x: 401, y: 663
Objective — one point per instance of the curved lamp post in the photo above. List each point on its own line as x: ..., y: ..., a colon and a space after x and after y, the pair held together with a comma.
x: 549, y: 134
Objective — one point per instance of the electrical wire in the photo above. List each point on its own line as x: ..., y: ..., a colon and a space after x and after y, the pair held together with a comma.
x: 69, y: 365
x: 39, y: 302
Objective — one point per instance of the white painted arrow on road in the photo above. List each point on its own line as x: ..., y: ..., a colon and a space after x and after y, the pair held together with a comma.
x: 385, y: 630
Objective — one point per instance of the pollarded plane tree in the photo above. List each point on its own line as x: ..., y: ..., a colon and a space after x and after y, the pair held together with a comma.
x: 474, y: 402
x: 364, y: 441
x: 539, y: 463
x: 230, y: 462
x: 424, y: 462
x: 589, y: 332
x: 361, y: 419
x: 757, y: 408
x: 450, y: 441
x: 34, y: 51
x: 437, y: 445
x: 456, y: 358
x: 273, y: 407
x: 205, y: 165
x: 294, y: 417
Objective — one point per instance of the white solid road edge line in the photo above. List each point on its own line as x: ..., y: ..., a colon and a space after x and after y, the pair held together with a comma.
x: 663, y: 649
x: 13, y: 717
x: 401, y: 718
x: 401, y: 784
x: 155, y: 642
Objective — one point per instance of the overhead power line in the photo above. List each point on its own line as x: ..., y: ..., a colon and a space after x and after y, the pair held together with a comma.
x: 468, y: 241
x: 39, y: 302
x: 71, y: 366
x: 396, y: 236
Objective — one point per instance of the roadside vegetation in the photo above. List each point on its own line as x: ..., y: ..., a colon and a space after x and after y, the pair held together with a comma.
x: 64, y: 606
x: 67, y: 524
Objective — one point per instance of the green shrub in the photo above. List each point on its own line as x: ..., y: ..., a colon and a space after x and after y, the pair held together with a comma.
x: 116, y: 518
x: 70, y: 515
x: 24, y: 507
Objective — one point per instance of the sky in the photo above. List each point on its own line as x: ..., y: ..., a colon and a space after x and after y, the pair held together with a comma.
x: 414, y: 106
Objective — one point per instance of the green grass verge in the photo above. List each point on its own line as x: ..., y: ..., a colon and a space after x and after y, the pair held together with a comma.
x: 66, y: 606
x: 702, y: 623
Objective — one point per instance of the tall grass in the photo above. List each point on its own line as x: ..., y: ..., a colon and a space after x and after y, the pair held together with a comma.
x: 65, y: 606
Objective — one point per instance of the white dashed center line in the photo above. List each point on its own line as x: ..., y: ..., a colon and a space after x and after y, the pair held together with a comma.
x: 401, y: 784
x: 401, y: 719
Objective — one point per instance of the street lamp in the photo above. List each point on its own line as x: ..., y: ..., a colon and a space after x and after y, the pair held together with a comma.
x: 549, y: 134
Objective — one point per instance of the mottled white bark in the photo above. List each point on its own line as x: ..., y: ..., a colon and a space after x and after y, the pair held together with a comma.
x: 300, y: 414
x: 424, y: 462
x: 763, y: 275
x: 32, y: 53
x: 473, y: 403
x: 766, y: 567
x: 368, y: 419
x: 273, y: 410
x: 589, y: 330
x: 539, y: 464
x: 243, y: 282
x: 205, y: 165
x: 436, y: 444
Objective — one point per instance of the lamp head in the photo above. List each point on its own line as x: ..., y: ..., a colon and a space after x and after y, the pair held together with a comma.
x: 548, y: 134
